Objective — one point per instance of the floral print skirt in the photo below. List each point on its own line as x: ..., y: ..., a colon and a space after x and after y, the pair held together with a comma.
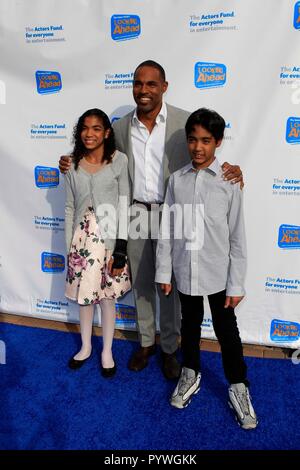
x: 88, y: 280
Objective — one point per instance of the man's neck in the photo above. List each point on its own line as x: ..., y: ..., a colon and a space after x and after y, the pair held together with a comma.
x: 148, y: 119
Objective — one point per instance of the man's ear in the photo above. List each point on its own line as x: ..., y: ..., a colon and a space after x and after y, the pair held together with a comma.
x: 165, y: 86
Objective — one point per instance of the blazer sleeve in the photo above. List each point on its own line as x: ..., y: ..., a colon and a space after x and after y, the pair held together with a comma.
x: 164, y: 251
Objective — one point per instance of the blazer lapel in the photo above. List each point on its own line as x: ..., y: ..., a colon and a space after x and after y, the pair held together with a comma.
x: 128, y: 146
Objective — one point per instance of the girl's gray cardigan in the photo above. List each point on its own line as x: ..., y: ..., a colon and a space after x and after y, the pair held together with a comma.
x: 108, y: 191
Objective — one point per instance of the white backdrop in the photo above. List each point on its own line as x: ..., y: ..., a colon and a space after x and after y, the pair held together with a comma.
x: 60, y: 58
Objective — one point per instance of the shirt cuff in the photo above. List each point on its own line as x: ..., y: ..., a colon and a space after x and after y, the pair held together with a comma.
x: 235, y: 291
x: 163, y: 278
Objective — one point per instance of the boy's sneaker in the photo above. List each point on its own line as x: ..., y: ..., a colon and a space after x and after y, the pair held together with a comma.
x: 188, y: 385
x: 240, y: 402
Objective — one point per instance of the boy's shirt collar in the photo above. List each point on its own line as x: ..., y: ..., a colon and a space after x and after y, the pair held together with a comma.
x: 213, y: 168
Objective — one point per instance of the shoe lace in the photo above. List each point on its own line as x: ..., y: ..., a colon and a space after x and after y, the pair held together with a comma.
x: 243, y: 400
x: 185, y: 384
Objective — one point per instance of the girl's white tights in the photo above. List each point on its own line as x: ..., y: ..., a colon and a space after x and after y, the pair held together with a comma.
x: 108, y: 317
x: 86, y: 315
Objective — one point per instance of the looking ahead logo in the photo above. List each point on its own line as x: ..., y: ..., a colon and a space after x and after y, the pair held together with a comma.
x: 52, y: 263
x: 46, y: 177
x: 209, y: 75
x: 297, y: 15
x: 124, y: 27
x: 284, y: 331
x: 48, y: 82
x: 293, y: 130
x: 289, y: 237
x: 125, y: 315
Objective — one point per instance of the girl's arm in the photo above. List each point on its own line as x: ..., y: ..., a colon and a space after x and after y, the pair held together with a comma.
x: 69, y: 210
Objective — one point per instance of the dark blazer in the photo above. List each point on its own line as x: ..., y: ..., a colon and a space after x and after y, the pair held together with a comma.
x: 176, y: 153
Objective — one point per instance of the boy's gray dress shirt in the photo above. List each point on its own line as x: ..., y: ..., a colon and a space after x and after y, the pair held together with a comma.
x: 210, y: 256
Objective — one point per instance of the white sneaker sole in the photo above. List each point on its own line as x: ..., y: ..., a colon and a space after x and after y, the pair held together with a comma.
x: 180, y: 406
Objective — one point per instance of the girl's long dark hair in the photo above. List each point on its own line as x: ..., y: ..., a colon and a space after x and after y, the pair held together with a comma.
x: 79, y: 149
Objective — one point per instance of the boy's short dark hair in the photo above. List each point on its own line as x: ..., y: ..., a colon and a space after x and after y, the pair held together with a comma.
x: 209, y: 120
x: 154, y: 65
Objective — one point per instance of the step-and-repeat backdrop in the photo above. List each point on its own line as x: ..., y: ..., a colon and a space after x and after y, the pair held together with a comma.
x: 60, y: 58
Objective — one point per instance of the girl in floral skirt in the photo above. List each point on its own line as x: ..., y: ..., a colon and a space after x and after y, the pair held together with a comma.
x: 97, y: 199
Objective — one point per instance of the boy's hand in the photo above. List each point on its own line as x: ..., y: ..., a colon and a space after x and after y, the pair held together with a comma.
x: 233, y: 173
x: 64, y: 163
x: 232, y: 301
x: 166, y: 288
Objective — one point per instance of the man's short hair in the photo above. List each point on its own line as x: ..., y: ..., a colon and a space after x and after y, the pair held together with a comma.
x: 153, y: 64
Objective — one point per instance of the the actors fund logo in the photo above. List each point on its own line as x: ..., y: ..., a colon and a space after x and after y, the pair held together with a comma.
x: 284, y: 331
x: 289, y: 237
x: 293, y: 130
x: 124, y: 27
x: 209, y: 75
x: 48, y: 82
x: 297, y: 15
x: 46, y: 177
x: 52, y: 262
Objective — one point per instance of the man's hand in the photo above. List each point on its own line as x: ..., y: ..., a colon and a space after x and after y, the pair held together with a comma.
x: 232, y: 301
x: 114, y: 272
x: 166, y: 288
x: 233, y: 173
x: 64, y: 163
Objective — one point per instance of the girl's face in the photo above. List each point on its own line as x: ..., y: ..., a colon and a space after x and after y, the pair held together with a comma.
x: 93, y: 133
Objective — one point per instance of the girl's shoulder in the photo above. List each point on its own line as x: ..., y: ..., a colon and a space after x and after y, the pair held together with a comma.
x: 119, y: 159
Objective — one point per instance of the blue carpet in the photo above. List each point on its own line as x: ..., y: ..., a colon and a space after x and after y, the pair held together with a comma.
x: 45, y: 405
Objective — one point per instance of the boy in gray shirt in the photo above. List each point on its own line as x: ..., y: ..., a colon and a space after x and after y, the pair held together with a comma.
x: 203, y: 242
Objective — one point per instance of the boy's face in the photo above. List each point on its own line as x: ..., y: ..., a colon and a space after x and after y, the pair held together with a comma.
x: 202, y: 146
